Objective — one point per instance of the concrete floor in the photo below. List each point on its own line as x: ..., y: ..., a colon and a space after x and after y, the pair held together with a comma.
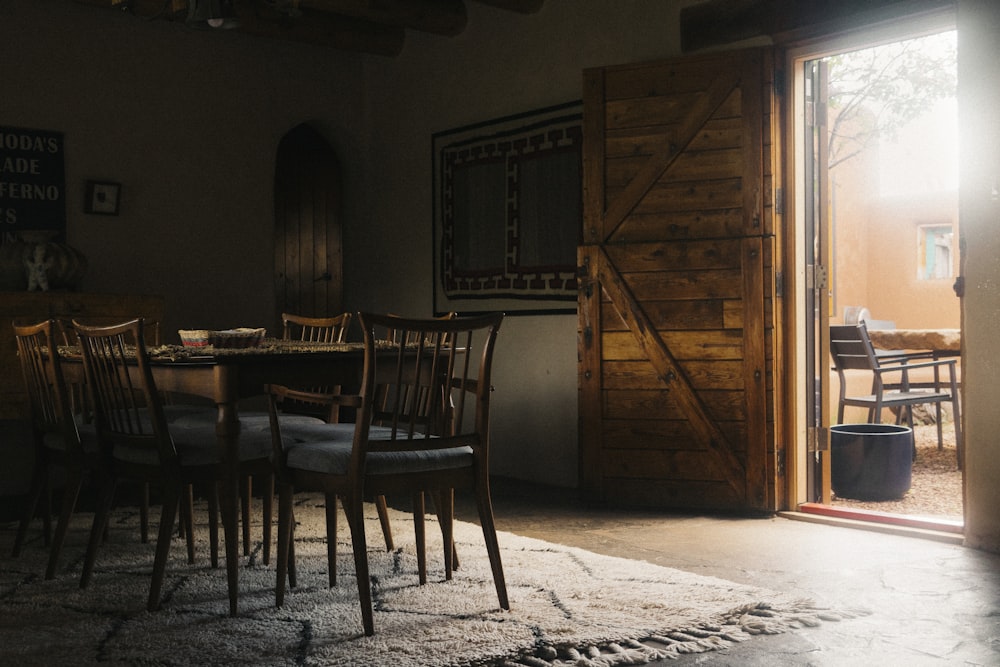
x: 931, y: 602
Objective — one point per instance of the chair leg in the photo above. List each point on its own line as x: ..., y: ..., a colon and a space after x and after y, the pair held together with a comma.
x: 420, y: 536
x: 454, y: 548
x: 171, y: 498
x: 47, y: 512
x: 246, y: 489
x: 354, y: 509
x: 144, y: 514
x: 331, y: 538
x: 267, y: 502
x: 187, y: 519
x: 38, y: 482
x: 70, y: 493
x: 285, y: 520
x: 292, y: 581
x: 940, y: 429
x: 485, y: 506
x: 383, y: 519
x: 446, y: 514
x: 213, y: 524
x: 97, y: 530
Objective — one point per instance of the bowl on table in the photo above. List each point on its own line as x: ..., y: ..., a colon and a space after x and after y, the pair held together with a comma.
x: 194, y: 337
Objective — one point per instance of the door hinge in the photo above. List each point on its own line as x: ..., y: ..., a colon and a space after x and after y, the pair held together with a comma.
x: 779, y: 201
x: 779, y: 284
x: 780, y: 462
x: 817, y: 439
x: 816, y: 277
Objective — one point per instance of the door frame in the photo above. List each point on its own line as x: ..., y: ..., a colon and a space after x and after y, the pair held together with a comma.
x: 800, y: 361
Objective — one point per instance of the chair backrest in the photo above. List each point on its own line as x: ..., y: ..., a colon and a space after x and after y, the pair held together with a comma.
x: 851, y: 348
x: 48, y: 392
x: 392, y: 334
x: 151, y: 329
x: 316, y: 329
x: 127, y: 408
x: 419, y: 382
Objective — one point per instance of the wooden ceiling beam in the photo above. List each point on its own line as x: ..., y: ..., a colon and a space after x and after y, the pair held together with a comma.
x: 364, y: 26
x: 143, y: 8
x: 717, y: 22
x: 519, y: 6
x: 440, y: 17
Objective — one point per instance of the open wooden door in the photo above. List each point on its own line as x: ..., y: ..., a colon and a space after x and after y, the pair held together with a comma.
x: 678, y: 300
x: 308, y: 257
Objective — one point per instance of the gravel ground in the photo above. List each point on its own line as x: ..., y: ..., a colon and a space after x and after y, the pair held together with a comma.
x: 936, y: 486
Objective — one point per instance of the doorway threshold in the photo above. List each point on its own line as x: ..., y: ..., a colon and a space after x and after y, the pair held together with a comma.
x: 935, y: 528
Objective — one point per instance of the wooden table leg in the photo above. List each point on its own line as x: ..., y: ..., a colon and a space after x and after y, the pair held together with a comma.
x: 228, y: 430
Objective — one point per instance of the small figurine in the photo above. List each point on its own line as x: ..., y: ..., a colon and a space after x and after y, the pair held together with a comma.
x: 37, y: 269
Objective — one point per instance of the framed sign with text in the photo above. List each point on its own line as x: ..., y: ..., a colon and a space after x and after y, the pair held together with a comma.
x: 32, y: 181
x: 508, y: 213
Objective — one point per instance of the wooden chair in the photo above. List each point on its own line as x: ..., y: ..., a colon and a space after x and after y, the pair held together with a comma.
x: 852, y: 349
x: 316, y: 329
x: 139, y: 444
x: 151, y: 331
x: 295, y: 327
x: 61, y: 439
x: 405, y: 440
x: 306, y: 329
x: 322, y: 400
x: 411, y: 338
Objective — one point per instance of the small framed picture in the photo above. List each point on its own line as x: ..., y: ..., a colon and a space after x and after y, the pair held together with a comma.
x: 102, y: 197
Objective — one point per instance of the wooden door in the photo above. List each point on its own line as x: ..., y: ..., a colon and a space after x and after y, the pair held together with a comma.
x: 677, y: 305
x: 308, y: 270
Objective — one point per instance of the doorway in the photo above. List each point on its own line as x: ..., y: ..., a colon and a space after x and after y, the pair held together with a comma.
x: 874, y: 121
x: 308, y: 274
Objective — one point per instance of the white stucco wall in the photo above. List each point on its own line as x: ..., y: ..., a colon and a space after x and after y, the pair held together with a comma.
x: 502, y: 64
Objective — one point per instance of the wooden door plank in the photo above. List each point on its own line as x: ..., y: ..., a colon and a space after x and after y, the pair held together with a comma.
x: 684, y: 345
x: 679, y: 315
x: 702, y: 374
x: 754, y: 371
x: 677, y: 256
x: 716, y: 94
x: 753, y: 158
x: 589, y: 354
x: 640, y: 403
x: 722, y: 284
x: 670, y: 373
x: 629, y: 434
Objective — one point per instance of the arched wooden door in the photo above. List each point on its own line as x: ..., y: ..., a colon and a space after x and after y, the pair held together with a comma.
x: 308, y: 257
x: 678, y: 302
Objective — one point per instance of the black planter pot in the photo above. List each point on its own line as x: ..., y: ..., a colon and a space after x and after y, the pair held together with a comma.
x: 871, y: 461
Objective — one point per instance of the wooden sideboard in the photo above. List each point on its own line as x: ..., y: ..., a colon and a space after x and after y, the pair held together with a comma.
x: 29, y: 308
x: 32, y: 307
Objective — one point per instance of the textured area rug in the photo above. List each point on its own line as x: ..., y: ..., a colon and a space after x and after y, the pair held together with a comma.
x: 568, y: 606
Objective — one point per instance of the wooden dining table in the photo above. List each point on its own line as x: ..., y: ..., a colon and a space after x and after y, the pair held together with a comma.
x: 228, y: 376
